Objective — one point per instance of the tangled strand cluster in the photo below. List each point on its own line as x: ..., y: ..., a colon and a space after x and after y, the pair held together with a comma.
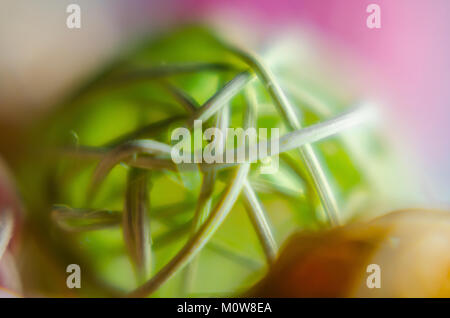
x: 144, y: 155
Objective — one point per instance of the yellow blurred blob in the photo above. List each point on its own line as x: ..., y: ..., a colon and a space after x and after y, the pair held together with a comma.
x: 411, y: 248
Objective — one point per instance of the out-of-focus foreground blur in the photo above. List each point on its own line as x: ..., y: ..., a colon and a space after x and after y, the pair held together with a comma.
x: 322, y: 52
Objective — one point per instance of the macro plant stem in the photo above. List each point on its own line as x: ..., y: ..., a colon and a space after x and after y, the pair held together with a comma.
x: 180, y: 231
x: 304, y: 136
x: 161, y: 71
x: 295, y: 139
x: 150, y: 116
x: 222, y: 97
x: 120, y: 153
x: 141, y: 153
x: 365, y: 162
x: 135, y: 222
x: 147, y: 131
x: 112, y: 80
x: 202, y: 236
x: 6, y: 229
x: 186, y: 101
x: 202, y: 212
x: 204, y: 201
x: 306, y: 151
x: 253, y: 206
x: 260, y: 222
x: 78, y: 220
x: 204, y: 233
x: 319, y: 131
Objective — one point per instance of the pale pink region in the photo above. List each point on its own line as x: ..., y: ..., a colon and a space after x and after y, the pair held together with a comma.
x: 9, y: 199
x: 409, y: 55
x: 408, y: 51
x: 10, y: 282
x: 4, y: 293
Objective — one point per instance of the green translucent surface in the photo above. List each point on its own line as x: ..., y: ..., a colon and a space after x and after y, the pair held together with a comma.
x: 101, y: 112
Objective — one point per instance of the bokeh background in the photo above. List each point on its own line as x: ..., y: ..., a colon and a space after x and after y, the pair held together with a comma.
x: 404, y: 64
x: 40, y: 59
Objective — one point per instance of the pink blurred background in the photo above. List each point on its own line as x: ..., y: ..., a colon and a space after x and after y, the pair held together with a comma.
x: 409, y: 53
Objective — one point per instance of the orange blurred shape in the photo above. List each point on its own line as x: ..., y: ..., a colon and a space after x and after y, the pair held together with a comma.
x: 411, y: 247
